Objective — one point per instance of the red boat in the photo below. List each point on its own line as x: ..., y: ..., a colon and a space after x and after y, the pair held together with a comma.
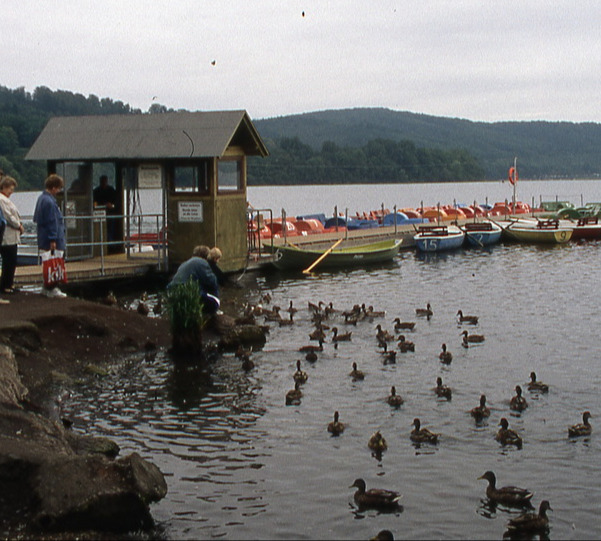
x: 587, y: 228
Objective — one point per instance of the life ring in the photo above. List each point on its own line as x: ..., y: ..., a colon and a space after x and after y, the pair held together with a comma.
x: 513, y: 175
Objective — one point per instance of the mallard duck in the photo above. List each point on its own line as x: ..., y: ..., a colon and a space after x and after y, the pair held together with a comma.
x: 389, y: 356
x: 344, y: 337
x: 336, y: 427
x: 377, y: 443
x: 581, y: 429
x: 383, y: 535
x: 300, y: 376
x: 405, y: 345
x: 329, y: 309
x: 424, y: 312
x: 445, y: 356
x: 370, y: 312
x: 291, y: 309
x: 293, y: 396
x: 535, y: 385
x: 394, y: 399
x: 315, y: 308
x: 442, y: 391
x: 472, y: 338
x: 110, y: 299
x: 285, y: 322
x: 480, y: 412
x: 375, y: 498
x: 507, y: 436
x: 273, y: 314
x: 422, y: 435
x: 311, y: 356
x: 383, y: 335
x: 512, y: 496
x: 318, y: 334
x: 518, y: 402
x: 356, y: 374
x: 247, y: 364
x: 403, y: 325
x: 472, y: 320
x: 530, y: 522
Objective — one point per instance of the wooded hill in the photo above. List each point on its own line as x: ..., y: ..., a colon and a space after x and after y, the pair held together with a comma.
x: 341, y: 146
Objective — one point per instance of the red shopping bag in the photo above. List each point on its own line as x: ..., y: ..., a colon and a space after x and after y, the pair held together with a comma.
x: 53, y: 268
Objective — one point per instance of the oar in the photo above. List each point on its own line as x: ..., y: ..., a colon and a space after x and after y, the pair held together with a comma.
x: 322, y: 256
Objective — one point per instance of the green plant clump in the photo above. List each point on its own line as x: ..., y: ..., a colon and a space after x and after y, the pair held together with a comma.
x: 184, y: 307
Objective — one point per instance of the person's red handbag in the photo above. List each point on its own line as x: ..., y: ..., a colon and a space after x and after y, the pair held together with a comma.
x: 53, y: 268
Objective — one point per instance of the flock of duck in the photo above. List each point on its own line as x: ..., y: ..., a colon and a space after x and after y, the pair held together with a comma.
x: 529, y: 522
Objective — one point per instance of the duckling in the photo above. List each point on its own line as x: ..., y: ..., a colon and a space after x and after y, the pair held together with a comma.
x: 422, y: 435
x: 344, y: 337
x: 480, y: 412
x: 442, y: 391
x: 424, y: 312
x: 535, y: 385
x: 375, y: 498
x: 472, y: 338
x: 507, y: 436
x: 300, y: 376
x: 405, y: 345
x: 394, y: 400
x: 356, y: 374
x: 403, y: 325
x: 531, y: 523
x: 581, y: 429
x: 377, y: 443
x: 336, y: 427
x: 293, y: 396
x: 445, y: 356
x: 509, y: 495
x: 472, y: 320
x: 518, y: 402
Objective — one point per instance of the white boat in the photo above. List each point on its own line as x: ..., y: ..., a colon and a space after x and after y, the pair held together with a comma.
x: 481, y: 234
x: 438, y: 238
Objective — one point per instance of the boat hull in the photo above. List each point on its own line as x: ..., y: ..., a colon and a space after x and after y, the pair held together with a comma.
x: 439, y: 239
x: 535, y: 235
x: 482, y: 234
x: 295, y: 258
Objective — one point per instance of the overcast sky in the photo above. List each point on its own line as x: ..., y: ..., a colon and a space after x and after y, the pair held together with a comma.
x: 483, y: 60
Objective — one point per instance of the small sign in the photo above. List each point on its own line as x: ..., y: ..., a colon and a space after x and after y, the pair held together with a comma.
x: 150, y: 176
x: 70, y: 210
x: 189, y: 211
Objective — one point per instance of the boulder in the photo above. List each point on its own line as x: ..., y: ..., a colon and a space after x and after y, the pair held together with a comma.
x: 12, y: 390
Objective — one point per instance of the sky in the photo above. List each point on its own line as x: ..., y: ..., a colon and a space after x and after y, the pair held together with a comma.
x: 481, y: 60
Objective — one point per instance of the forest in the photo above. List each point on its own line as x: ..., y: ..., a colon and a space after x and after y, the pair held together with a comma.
x: 362, y: 145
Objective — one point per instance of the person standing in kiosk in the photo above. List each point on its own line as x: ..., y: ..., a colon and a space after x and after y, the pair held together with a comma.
x: 105, y: 196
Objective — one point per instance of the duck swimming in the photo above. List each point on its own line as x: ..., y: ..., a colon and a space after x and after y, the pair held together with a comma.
x: 335, y: 427
x: 507, y: 436
x: 405, y: 345
x: 472, y: 320
x: 531, y: 523
x: 377, y: 443
x: 394, y: 400
x: 403, y: 325
x: 581, y: 429
x: 535, y: 385
x: 518, y: 402
x: 424, y: 312
x: 356, y: 374
x: 293, y: 397
x: 509, y: 495
x: 344, y: 337
x: 445, y: 356
x: 311, y: 347
x: 472, y: 338
x: 422, y: 435
x: 383, y: 335
x: 300, y: 376
x: 480, y: 412
x: 442, y: 391
x: 375, y: 498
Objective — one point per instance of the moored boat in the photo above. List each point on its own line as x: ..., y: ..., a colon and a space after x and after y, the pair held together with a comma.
x: 289, y: 257
x: 586, y: 228
x: 481, y: 234
x: 438, y: 238
x: 538, y: 231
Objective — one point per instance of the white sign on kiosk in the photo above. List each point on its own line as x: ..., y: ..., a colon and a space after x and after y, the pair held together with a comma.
x: 149, y: 176
x: 189, y: 211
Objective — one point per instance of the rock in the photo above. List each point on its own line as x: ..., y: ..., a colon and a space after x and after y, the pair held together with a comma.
x: 242, y: 334
x: 12, y: 390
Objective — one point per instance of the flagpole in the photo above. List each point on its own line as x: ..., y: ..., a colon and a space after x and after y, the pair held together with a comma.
x: 515, y: 177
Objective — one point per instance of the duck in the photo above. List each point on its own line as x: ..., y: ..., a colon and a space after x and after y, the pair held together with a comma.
x: 158, y: 306
x: 329, y: 309
x: 370, y: 312
x: 110, y: 299
x: 480, y: 412
x: 300, y: 376
x: 315, y: 308
x: 422, y: 435
x: 442, y: 391
x: 389, y: 356
x: 377, y: 443
x: 518, y: 402
x: 472, y: 338
x: 142, y: 307
x: 318, y: 334
x: 375, y: 498
x: 532, y: 523
x: 242, y: 353
x: 403, y: 325
x: 535, y: 385
x: 273, y: 314
x: 509, y: 495
x: 581, y: 429
x: 394, y: 399
x: 247, y: 364
x: 424, y: 312
x: 311, y: 348
x: 383, y: 335
x: 293, y: 396
x: 383, y: 535
x: 336, y: 427
x: 507, y: 436
x: 285, y: 322
x: 344, y: 337
x: 405, y: 345
x: 356, y: 374
x: 445, y: 355
x: 472, y: 320
x: 291, y: 309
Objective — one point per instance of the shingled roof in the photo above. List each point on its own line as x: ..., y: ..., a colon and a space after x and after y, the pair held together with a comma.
x: 147, y: 136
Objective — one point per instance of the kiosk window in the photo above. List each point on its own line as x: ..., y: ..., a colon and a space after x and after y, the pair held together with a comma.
x: 229, y: 175
x: 191, y: 179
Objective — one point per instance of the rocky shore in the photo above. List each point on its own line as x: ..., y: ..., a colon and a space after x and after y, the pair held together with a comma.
x: 52, y: 480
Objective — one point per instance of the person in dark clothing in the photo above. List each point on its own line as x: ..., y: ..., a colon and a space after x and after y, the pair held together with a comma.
x: 213, y: 259
x: 105, y: 196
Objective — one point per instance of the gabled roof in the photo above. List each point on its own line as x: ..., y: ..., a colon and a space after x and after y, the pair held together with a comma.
x: 147, y: 136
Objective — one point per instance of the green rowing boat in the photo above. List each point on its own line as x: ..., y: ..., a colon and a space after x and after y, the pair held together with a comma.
x: 295, y: 258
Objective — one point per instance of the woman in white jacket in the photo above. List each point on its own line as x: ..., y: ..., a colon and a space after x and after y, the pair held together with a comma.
x: 12, y: 234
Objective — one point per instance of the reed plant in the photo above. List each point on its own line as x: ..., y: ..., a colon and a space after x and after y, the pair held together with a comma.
x: 185, y: 311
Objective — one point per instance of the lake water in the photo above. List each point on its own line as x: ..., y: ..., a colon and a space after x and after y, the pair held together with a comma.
x: 240, y: 464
